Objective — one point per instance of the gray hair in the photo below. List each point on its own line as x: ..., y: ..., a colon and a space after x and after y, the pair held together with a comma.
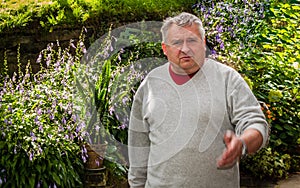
x: 182, y: 20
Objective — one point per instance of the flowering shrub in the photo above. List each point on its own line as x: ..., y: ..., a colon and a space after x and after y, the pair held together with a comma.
x: 274, y: 70
x: 40, y: 132
x: 259, y: 39
x: 114, y: 66
x: 231, y: 26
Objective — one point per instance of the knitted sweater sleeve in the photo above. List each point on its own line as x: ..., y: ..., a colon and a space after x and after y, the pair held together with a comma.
x: 138, y: 143
x: 245, y: 111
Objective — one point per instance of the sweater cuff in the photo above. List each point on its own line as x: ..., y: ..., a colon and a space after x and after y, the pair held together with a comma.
x: 264, y: 131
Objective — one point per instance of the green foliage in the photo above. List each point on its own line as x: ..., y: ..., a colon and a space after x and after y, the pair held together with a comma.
x: 126, y: 73
x: 263, y: 45
x: 276, y: 74
x: 52, y: 13
x: 115, y: 164
x: 40, y: 141
x: 268, y: 163
x: 231, y: 26
x: 260, y: 39
x: 113, y: 73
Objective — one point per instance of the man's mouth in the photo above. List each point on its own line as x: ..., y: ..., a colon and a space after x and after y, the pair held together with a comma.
x: 185, y: 58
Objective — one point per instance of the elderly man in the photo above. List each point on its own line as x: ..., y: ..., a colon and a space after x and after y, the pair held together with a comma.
x: 192, y: 118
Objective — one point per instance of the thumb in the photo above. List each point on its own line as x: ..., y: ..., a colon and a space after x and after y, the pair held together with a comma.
x: 228, y: 137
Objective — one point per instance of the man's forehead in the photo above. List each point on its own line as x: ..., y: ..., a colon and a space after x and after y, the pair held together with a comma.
x: 187, y: 31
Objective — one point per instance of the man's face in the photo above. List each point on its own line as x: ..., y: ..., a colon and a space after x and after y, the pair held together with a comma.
x: 184, y: 48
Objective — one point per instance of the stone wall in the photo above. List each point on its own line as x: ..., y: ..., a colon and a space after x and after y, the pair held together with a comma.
x: 32, y: 40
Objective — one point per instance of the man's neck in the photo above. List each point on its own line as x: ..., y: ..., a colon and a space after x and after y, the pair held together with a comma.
x: 183, y: 72
x: 180, y: 79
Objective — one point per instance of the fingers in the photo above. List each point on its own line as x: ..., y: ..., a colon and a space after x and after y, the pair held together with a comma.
x: 232, y: 152
x: 228, y: 137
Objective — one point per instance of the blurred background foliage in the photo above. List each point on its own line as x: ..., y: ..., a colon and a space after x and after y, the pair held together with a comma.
x: 260, y: 39
x: 47, y: 14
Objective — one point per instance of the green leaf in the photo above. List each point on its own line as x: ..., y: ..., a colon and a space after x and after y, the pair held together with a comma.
x: 56, y: 178
x: 278, y: 127
x: 32, y: 180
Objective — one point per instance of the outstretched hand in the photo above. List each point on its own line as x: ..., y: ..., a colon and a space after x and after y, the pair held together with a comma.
x: 232, y: 153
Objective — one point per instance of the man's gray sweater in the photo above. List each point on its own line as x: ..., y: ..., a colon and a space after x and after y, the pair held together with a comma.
x: 176, y: 131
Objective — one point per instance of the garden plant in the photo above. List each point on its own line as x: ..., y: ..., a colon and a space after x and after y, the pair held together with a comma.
x: 261, y: 40
x: 40, y: 141
x: 43, y: 129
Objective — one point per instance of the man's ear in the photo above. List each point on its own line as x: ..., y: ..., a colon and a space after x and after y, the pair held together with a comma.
x: 164, y: 48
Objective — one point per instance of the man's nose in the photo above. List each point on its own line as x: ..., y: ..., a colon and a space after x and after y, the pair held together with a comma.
x: 185, y: 47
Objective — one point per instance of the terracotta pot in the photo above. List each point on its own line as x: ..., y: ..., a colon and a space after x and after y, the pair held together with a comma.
x: 96, y: 154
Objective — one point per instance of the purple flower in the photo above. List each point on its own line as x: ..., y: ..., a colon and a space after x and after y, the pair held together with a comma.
x: 21, y: 90
x: 63, y: 121
x: 74, y: 117
x: 123, y: 126
x: 41, y: 128
x: 36, y: 120
x: 124, y: 100
x: 213, y: 52
x: 202, y: 8
x: 38, y: 184
x: 51, y: 117
x: 14, y: 78
x: 206, y: 16
x: 78, y: 128
x: 10, y: 109
x: 40, y: 149
x: 222, y: 46
x: 83, y: 158
x: 39, y: 111
x: 219, y: 29
x: 61, y: 128
x: 97, y: 162
x: 229, y: 8
x: 30, y: 156
x: 33, y: 137
x: 39, y: 59
x: 218, y: 38
x: 111, y: 110
x: 97, y: 128
x: 84, y: 151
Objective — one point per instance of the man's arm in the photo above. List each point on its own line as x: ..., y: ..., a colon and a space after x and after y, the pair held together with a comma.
x: 138, y: 146
x: 253, y: 140
x: 250, y: 125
